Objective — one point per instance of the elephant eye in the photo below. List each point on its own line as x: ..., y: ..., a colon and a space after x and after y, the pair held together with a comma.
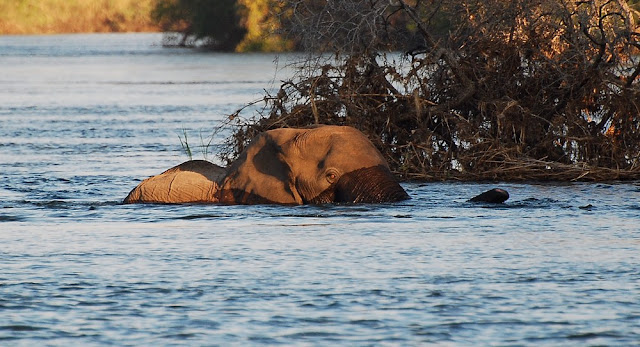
x: 332, y: 177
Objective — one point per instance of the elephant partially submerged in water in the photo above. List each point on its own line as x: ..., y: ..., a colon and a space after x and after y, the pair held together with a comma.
x: 323, y: 164
x: 283, y: 166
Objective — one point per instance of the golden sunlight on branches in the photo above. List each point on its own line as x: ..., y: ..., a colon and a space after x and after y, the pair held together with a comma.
x: 262, y: 27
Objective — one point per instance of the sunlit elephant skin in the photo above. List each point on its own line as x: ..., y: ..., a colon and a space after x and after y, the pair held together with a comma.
x: 324, y: 164
x: 190, y: 182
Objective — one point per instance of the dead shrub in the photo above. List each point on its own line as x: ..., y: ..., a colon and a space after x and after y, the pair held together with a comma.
x: 488, y: 90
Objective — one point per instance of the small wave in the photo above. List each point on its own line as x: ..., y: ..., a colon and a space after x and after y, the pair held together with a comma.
x: 594, y: 335
x: 369, y: 323
x: 309, y: 334
x: 20, y: 327
x: 64, y: 204
x: 318, y: 320
x: 200, y: 216
x: 180, y: 336
x: 534, y: 203
x: 403, y: 216
x: 97, y: 303
x: 54, y: 204
x: 10, y: 218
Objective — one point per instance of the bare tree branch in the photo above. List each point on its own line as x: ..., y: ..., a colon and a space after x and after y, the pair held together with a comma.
x: 490, y: 89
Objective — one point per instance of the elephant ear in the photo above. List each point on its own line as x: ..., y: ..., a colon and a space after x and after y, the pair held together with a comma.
x: 191, y: 181
x: 261, y: 174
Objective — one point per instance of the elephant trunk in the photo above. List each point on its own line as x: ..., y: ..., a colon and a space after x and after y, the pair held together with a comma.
x: 368, y: 185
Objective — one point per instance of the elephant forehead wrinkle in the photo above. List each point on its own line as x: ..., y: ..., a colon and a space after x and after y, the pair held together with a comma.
x: 300, y: 139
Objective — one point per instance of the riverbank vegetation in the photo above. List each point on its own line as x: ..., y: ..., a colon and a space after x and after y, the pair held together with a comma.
x: 487, y: 90
x: 75, y: 16
x: 223, y: 25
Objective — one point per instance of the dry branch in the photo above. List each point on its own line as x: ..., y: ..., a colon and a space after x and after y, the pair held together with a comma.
x: 491, y: 89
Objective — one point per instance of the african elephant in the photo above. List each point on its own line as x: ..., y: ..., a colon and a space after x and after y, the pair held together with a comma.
x: 315, y: 165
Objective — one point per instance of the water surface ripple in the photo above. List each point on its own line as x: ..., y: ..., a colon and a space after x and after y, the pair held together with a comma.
x: 84, y: 118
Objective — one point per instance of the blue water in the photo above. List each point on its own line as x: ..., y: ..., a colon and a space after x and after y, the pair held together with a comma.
x: 83, y: 118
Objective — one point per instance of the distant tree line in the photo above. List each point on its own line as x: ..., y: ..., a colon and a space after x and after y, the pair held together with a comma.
x: 216, y: 22
x: 275, y: 25
x: 75, y: 16
x: 226, y: 25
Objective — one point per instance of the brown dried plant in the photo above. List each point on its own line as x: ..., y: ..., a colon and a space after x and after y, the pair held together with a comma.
x: 486, y: 89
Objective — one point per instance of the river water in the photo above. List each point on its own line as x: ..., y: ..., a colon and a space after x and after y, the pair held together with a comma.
x: 83, y: 118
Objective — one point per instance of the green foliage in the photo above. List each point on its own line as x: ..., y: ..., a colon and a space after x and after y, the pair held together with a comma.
x: 205, y: 146
x: 185, y: 144
x: 214, y: 22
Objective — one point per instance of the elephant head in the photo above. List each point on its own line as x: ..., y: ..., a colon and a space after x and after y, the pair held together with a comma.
x: 322, y: 164
x: 310, y: 166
